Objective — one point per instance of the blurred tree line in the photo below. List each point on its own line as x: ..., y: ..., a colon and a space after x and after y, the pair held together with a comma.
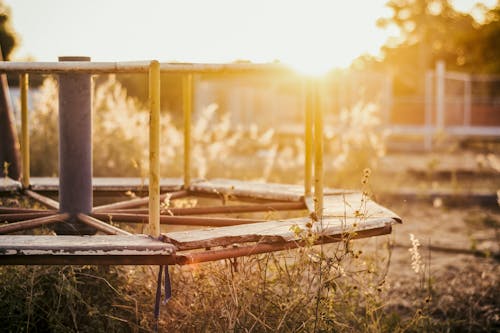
x: 8, y: 38
x: 433, y: 30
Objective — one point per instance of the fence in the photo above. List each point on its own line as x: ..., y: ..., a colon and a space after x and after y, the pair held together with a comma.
x: 455, y: 104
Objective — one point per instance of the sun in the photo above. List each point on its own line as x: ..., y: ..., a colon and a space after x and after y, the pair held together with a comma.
x: 311, y: 68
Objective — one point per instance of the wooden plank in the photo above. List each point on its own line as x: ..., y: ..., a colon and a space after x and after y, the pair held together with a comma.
x: 226, y: 209
x: 8, y: 185
x: 272, y: 231
x: 109, y: 184
x: 259, y: 190
x: 352, y: 205
x: 257, y: 248
x: 83, y: 245
x: 175, y: 220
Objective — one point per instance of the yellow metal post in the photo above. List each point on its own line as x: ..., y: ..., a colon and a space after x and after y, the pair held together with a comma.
x: 25, y: 137
x: 308, y: 137
x: 187, y: 98
x: 154, y: 148
x: 318, y: 148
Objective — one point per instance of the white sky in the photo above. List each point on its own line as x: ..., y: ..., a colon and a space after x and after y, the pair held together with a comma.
x: 310, y: 34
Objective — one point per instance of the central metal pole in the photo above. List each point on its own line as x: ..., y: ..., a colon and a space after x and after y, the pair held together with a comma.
x: 75, y: 149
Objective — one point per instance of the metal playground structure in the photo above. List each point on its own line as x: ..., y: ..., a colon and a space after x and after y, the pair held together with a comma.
x: 92, y: 235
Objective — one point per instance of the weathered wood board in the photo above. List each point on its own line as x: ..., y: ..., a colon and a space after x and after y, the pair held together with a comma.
x: 270, y: 232
x: 9, y: 185
x: 351, y: 204
x: 343, y: 214
x: 258, y: 190
x: 23, y: 245
x: 111, y: 184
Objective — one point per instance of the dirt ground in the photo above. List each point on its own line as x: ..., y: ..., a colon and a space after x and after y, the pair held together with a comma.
x: 459, y: 241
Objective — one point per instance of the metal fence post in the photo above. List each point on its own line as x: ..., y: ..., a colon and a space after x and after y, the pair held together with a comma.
x: 428, y: 111
x: 440, y: 95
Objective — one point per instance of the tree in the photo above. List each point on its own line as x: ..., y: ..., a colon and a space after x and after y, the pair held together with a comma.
x: 9, y: 146
x: 433, y: 30
x: 8, y: 37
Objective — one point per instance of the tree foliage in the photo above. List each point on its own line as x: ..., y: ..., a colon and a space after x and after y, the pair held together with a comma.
x: 432, y: 30
x: 8, y: 38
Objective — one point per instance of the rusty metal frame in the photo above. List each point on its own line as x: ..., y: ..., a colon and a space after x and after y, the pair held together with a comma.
x: 128, y: 211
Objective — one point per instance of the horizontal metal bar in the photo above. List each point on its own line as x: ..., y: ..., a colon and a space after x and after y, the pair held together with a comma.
x: 175, y: 220
x: 101, y: 226
x: 134, y: 67
x: 273, y: 206
x: 24, y: 216
x: 132, y: 203
x: 43, y: 199
x: 493, y: 131
x: 31, y: 224
x: 13, y: 210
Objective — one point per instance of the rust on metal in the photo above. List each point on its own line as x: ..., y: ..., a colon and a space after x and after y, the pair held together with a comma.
x: 14, y: 210
x: 137, y: 202
x: 101, y: 226
x: 43, y: 199
x: 33, y: 223
x: 14, y: 217
x: 235, y: 252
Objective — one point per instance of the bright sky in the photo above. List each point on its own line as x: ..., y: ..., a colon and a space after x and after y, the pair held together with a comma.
x: 312, y: 35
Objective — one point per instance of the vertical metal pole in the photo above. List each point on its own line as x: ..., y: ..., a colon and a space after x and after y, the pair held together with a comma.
x: 75, y: 148
x: 25, y: 137
x: 318, y: 149
x: 154, y: 148
x: 308, y: 135
x: 467, y: 101
x: 440, y: 86
x: 428, y: 111
x: 187, y: 97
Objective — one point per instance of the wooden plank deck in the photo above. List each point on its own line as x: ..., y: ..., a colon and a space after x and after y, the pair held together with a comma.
x: 345, y: 212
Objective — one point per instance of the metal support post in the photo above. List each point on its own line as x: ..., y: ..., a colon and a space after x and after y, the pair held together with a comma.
x: 308, y: 135
x: 25, y: 136
x: 75, y: 148
x: 154, y: 148
x: 318, y: 148
x: 187, y: 99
